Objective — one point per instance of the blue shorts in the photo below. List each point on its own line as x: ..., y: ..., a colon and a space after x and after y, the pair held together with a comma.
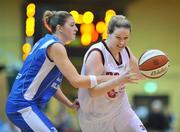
x: 31, y: 119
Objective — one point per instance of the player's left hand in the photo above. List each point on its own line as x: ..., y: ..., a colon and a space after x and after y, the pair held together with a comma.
x: 75, y: 105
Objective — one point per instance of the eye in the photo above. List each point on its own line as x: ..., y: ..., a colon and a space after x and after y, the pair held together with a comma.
x: 118, y: 37
x: 125, y: 38
x: 72, y: 24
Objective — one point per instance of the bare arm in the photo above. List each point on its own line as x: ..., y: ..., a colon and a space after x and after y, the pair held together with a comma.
x: 95, y: 67
x: 134, y: 65
x: 59, y: 95
x: 57, y: 53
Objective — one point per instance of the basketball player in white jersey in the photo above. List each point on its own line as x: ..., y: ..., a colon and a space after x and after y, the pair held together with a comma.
x: 108, y: 110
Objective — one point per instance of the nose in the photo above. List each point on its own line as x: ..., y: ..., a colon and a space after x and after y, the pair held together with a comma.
x: 76, y: 29
x: 122, y: 42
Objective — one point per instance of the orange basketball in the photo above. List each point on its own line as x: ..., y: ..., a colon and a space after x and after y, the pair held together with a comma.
x: 153, y: 63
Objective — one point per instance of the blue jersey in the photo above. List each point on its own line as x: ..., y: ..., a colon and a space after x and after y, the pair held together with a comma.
x: 38, y: 79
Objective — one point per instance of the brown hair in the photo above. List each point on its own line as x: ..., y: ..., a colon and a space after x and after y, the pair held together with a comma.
x: 53, y: 18
x: 118, y: 21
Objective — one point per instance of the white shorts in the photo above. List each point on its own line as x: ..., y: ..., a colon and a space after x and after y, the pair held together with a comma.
x: 132, y: 125
x: 118, y: 123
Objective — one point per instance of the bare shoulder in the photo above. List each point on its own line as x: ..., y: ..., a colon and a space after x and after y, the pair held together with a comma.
x: 94, y: 63
x: 94, y: 56
x: 55, y: 50
x: 56, y: 47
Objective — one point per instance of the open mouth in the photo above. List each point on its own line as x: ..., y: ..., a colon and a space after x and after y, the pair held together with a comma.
x: 120, y: 47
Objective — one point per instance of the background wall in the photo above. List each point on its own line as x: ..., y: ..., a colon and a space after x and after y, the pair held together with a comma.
x: 11, y: 31
x: 10, y: 43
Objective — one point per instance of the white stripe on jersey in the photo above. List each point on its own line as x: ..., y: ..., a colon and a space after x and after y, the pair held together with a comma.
x: 34, y: 86
x: 43, y: 46
x: 33, y: 121
x: 17, y: 129
x: 47, y: 43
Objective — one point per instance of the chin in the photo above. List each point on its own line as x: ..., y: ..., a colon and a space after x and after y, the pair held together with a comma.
x: 73, y: 38
x: 70, y: 39
x: 68, y: 42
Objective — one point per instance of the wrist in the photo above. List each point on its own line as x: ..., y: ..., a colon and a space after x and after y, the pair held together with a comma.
x: 70, y: 105
x: 93, y: 81
x: 120, y: 80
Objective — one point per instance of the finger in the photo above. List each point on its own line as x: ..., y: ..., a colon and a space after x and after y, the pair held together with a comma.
x: 77, y: 107
x: 77, y: 103
x: 133, y: 81
x: 132, y: 75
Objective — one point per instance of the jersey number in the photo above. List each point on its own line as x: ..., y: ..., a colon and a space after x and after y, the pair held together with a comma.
x: 112, y: 94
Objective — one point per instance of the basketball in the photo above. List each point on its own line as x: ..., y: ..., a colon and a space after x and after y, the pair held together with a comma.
x: 153, y: 63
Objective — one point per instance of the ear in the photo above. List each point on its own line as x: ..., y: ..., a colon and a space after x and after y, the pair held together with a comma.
x: 108, y: 32
x: 59, y: 28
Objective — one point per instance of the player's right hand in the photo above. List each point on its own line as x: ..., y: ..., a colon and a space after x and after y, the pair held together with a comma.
x: 128, y: 77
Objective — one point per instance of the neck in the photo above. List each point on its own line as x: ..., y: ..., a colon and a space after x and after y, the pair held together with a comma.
x: 112, y: 49
x: 60, y: 37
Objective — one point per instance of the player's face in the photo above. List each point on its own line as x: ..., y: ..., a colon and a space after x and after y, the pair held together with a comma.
x: 69, y: 29
x: 119, y: 38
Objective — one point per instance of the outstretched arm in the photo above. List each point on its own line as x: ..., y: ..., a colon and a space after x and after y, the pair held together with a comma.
x: 57, y: 53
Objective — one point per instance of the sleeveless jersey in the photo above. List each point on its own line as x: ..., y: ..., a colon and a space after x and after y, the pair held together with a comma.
x: 111, y: 104
x: 38, y: 79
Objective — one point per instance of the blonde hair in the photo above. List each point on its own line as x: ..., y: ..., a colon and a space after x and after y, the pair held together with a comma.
x: 118, y: 21
x: 53, y: 18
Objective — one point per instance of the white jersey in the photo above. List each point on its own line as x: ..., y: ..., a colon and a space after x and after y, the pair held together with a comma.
x: 115, y: 101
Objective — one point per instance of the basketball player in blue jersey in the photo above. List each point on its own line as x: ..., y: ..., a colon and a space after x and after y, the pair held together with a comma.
x: 42, y: 74
x: 107, y: 109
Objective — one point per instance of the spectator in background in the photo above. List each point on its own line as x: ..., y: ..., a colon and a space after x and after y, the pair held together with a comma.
x: 157, y: 119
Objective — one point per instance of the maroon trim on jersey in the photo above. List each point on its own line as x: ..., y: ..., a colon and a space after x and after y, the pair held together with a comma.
x: 95, y: 49
x: 120, y: 58
x: 127, y: 51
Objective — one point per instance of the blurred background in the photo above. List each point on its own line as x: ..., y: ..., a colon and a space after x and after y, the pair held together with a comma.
x: 155, y: 25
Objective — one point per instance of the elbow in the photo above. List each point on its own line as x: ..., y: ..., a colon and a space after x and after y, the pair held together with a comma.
x: 75, y: 83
